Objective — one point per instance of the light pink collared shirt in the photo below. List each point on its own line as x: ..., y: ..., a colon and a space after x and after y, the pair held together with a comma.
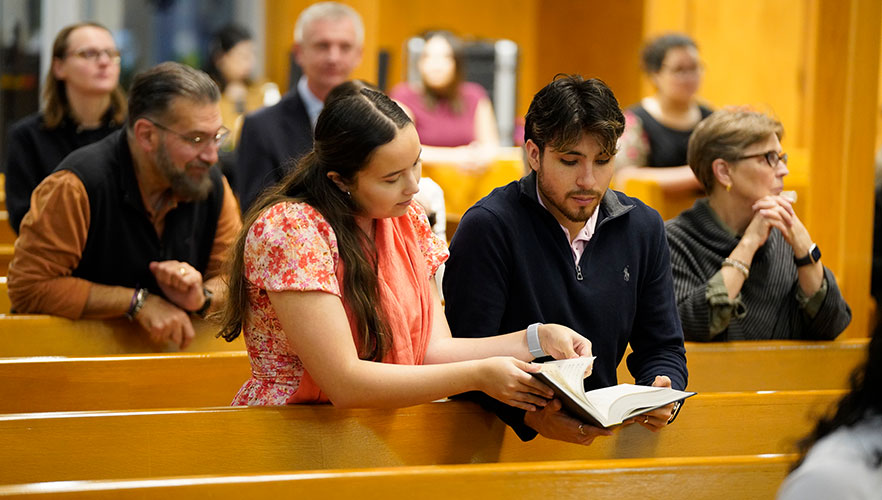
x: 577, y: 245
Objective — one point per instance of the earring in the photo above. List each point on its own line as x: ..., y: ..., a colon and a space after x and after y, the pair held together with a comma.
x: 349, y: 194
x: 728, y: 187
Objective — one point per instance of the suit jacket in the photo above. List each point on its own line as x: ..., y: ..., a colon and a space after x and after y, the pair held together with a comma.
x: 271, y: 138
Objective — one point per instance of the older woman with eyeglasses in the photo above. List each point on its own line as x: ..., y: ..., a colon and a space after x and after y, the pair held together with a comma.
x: 744, y: 265
x: 82, y: 103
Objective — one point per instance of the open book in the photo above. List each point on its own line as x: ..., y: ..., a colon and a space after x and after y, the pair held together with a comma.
x: 602, y: 407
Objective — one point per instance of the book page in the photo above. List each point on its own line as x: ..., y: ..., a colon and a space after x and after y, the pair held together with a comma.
x: 570, y: 373
x: 603, y: 399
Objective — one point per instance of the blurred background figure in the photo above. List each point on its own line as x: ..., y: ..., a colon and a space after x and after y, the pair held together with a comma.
x: 842, y: 457
x: 82, y: 103
x: 328, y: 43
x: 657, y: 129
x: 454, y: 118
x: 231, y: 64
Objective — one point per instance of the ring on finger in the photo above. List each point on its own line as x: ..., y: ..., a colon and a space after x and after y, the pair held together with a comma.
x: 182, y: 270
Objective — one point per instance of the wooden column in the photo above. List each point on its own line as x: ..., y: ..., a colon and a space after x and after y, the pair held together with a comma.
x: 842, y: 84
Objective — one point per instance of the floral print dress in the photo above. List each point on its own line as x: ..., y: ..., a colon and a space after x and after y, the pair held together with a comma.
x: 291, y: 247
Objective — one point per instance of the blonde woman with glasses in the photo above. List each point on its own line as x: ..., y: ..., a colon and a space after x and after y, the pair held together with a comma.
x: 82, y: 103
x: 745, y: 267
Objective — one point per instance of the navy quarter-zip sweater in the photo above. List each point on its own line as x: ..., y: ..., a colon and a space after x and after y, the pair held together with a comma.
x: 511, y: 265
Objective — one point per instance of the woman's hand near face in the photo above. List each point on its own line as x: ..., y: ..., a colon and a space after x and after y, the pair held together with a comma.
x: 769, y: 212
x: 794, y: 232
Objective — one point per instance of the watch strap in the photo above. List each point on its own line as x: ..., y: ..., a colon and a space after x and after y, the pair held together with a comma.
x: 202, y: 311
x: 533, y: 341
x: 814, y: 254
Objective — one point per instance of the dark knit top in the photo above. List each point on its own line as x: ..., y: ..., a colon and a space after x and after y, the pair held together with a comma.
x: 768, y: 306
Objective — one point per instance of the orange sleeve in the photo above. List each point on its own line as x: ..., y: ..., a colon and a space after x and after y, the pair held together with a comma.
x: 49, y: 247
x: 229, y: 223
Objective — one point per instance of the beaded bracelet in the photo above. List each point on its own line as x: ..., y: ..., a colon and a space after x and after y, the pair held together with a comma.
x: 737, y: 264
x: 137, y: 303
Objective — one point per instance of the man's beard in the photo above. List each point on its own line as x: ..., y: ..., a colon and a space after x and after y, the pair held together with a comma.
x: 581, y: 214
x: 184, y: 186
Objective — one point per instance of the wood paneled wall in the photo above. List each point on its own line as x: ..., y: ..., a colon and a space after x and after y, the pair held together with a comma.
x: 813, y: 63
x: 592, y: 38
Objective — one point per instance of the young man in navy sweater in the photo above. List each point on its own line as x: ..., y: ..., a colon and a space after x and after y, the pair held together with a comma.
x: 558, y: 246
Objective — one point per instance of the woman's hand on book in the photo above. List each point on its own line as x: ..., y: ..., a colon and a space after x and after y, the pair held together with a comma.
x: 658, y: 418
x: 561, y: 342
x: 509, y: 380
x: 553, y: 423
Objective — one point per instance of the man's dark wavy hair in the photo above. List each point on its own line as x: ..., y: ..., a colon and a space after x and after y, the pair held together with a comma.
x: 571, y: 106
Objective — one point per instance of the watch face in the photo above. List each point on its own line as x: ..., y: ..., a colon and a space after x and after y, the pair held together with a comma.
x: 815, y: 253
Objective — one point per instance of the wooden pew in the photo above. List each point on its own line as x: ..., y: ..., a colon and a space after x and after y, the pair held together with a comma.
x: 463, y: 187
x: 695, y: 478
x: 6, y: 251
x: 144, y: 381
x: 5, y: 305
x: 7, y: 235
x: 39, y: 335
x: 211, y: 379
x: 769, y: 365
x: 61, y: 446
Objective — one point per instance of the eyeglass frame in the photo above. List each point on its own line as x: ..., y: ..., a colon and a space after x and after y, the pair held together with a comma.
x: 220, y: 137
x: 679, y: 72
x: 768, y: 156
x: 91, y: 54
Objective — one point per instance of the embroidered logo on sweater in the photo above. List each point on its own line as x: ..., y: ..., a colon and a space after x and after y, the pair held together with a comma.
x: 625, y: 274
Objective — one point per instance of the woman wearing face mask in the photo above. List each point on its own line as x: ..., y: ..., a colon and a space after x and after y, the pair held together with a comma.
x: 744, y: 265
x: 657, y: 129
x: 82, y: 103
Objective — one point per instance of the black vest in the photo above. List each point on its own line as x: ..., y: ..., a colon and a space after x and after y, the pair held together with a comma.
x: 121, y: 240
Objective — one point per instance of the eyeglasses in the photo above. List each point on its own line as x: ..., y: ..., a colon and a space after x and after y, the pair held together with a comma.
x: 684, y: 71
x: 199, y: 141
x: 771, y: 157
x: 94, y: 55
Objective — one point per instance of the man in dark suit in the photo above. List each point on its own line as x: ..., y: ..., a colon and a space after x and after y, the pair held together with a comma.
x: 328, y: 39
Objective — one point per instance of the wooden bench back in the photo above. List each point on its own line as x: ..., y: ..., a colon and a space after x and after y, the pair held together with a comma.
x: 695, y: 478
x: 769, y: 365
x: 40, y: 335
x: 212, y: 379
x: 62, y: 446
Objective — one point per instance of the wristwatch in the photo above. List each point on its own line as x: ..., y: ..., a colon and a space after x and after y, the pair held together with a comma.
x: 814, y: 254
x: 203, y: 311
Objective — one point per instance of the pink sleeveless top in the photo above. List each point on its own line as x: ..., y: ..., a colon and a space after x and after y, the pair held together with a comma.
x: 441, y: 126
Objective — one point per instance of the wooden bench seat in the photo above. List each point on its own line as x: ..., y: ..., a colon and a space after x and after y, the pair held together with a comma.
x: 40, y: 335
x: 769, y: 364
x: 695, y: 478
x: 211, y: 379
x: 61, y: 446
